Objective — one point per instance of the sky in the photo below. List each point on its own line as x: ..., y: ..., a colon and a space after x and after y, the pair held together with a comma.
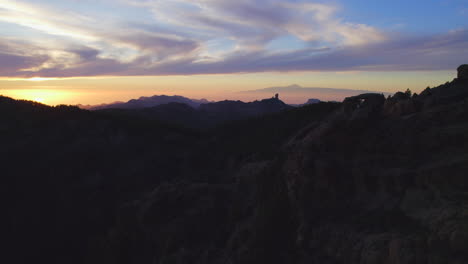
x: 100, y: 51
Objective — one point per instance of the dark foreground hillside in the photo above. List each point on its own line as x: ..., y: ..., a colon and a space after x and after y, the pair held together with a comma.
x: 370, y: 180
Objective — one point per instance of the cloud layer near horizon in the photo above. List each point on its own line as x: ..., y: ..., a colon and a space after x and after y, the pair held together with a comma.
x: 187, y: 37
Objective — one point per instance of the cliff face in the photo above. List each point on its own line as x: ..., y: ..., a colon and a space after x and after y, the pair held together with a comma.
x: 383, y: 181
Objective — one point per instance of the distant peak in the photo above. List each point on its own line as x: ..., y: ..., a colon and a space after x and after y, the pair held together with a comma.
x: 294, y: 86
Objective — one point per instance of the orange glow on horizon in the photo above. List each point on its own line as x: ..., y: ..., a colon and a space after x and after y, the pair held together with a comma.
x: 45, y: 96
x: 39, y: 79
x: 109, y: 89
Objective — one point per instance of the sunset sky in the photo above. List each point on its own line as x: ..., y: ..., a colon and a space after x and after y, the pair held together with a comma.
x: 99, y: 51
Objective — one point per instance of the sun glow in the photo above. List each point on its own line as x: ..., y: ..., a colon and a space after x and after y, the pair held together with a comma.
x: 40, y: 79
x: 38, y: 99
x: 45, y: 96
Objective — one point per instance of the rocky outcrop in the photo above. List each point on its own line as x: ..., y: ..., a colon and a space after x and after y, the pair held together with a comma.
x: 389, y: 190
x: 463, y: 72
x: 363, y: 106
x: 445, y: 94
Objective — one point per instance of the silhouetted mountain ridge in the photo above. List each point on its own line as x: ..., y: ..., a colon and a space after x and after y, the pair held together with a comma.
x: 295, y: 94
x: 145, y: 102
x: 369, y: 180
x: 206, y: 115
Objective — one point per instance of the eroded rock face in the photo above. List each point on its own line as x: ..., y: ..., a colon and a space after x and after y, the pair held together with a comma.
x: 364, y: 105
x: 463, y: 72
x: 388, y: 190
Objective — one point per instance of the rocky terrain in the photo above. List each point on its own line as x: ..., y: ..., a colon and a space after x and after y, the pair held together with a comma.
x: 370, y: 180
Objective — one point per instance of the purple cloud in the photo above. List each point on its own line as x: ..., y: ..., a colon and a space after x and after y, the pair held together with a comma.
x: 86, y: 53
x: 182, y: 44
x: 159, y: 45
x: 11, y: 64
x: 439, y: 52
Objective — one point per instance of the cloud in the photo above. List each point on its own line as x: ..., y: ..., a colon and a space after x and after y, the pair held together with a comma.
x: 180, y: 40
x: 86, y: 53
x: 436, y: 52
x: 11, y: 64
x: 263, y: 20
x: 158, y: 45
x: 18, y: 56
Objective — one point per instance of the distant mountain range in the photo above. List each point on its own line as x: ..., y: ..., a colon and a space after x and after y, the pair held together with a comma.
x: 296, y: 93
x: 145, y: 102
x: 202, y: 113
x: 198, y: 115
x: 309, y: 102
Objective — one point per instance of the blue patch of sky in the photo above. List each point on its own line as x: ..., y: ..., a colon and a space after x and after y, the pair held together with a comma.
x: 220, y: 45
x: 286, y: 43
x: 423, y: 16
x: 115, y: 10
x: 19, y: 32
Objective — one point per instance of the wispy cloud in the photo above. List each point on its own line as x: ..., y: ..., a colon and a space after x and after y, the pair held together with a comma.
x: 259, y: 21
x: 190, y: 37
